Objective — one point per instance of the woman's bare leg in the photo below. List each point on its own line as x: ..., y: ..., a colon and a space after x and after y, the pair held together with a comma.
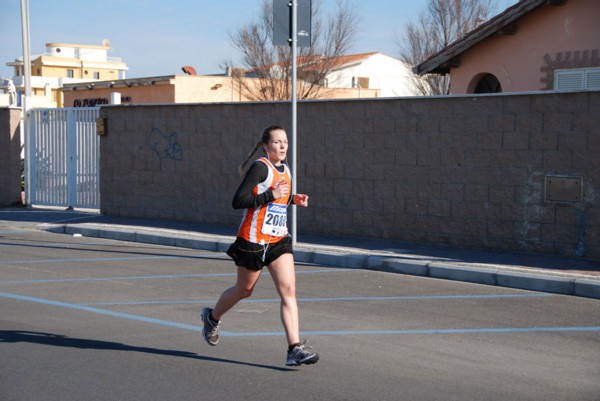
x: 246, y: 280
x: 284, y: 276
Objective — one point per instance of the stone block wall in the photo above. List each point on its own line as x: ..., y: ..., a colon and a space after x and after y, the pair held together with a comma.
x: 10, y: 157
x: 463, y: 170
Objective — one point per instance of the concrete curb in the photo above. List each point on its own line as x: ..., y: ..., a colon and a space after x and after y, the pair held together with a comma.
x: 342, y: 257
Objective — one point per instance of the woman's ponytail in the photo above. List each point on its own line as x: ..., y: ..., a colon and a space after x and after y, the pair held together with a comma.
x: 242, y: 167
x: 264, y: 139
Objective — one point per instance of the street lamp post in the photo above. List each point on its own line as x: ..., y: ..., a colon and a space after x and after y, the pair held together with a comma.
x: 26, y: 56
x: 26, y: 96
x: 285, y: 32
x: 294, y: 37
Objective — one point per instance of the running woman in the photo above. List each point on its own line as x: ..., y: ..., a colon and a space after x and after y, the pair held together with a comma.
x: 263, y: 240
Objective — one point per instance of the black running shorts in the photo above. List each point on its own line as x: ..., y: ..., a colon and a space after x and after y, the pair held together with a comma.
x: 254, y: 257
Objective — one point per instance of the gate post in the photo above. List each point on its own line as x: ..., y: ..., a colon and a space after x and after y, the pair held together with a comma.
x: 72, y: 158
x: 30, y: 158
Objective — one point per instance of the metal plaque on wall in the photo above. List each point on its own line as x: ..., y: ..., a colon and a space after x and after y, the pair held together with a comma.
x: 562, y: 189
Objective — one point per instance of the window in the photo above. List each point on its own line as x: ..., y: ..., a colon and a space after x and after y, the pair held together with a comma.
x: 96, y: 75
x: 70, y: 73
x: 360, y: 82
x: 577, y: 79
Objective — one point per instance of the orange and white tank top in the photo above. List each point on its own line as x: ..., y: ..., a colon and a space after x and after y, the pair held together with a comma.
x: 268, y: 223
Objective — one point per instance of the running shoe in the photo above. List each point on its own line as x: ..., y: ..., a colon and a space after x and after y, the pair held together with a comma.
x: 300, y: 355
x: 211, y: 328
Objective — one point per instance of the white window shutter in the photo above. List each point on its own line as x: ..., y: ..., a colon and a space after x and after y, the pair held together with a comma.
x: 577, y: 79
x: 592, y: 79
x: 568, y: 80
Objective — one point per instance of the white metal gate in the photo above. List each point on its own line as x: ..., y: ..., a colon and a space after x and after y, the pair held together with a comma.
x: 62, y: 158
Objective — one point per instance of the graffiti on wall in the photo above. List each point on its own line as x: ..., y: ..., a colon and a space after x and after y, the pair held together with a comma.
x: 165, y: 146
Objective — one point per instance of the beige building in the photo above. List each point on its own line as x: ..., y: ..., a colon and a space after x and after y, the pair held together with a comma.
x: 367, y: 75
x: 63, y: 63
x: 533, y: 45
x: 176, y: 89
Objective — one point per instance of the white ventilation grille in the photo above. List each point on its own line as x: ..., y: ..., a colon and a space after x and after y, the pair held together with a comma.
x: 577, y: 79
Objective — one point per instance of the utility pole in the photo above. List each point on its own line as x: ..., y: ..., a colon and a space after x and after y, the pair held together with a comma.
x: 285, y: 32
x: 294, y: 44
x: 26, y: 95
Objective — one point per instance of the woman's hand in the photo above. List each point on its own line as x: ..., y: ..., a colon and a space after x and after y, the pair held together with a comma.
x: 281, y: 189
x: 301, y: 200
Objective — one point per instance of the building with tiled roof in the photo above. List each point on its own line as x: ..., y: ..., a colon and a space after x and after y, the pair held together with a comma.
x: 374, y: 70
x: 533, y: 45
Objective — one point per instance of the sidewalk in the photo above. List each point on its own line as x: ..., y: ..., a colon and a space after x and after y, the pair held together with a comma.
x: 558, y: 275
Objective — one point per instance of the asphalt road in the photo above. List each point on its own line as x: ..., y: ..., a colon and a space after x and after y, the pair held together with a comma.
x: 92, y: 319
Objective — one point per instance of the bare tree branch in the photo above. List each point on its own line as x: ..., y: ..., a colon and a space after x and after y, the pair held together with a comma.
x: 271, y: 66
x: 442, y: 23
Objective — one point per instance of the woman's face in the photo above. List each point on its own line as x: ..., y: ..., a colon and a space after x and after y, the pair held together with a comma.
x: 277, y: 147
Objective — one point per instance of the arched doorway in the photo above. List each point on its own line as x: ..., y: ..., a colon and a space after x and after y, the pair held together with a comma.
x: 487, y: 83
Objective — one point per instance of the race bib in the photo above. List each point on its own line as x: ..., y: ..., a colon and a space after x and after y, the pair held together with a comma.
x: 275, y: 220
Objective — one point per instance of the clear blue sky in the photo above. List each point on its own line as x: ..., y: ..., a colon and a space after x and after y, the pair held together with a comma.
x: 158, y: 37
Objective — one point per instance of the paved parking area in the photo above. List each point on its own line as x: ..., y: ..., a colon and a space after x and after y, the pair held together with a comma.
x: 96, y: 319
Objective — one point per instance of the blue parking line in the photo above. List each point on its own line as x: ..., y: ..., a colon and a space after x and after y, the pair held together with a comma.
x: 344, y: 299
x: 92, y: 279
x: 100, y: 311
x: 54, y: 244
x: 82, y: 260
x: 156, y: 277
x: 492, y: 330
x: 443, y: 331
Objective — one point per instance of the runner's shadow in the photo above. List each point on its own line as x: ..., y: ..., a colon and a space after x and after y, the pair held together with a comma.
x: 14, y: 336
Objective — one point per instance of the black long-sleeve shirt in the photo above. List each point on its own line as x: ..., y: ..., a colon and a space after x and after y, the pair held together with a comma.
x: 257, y: 173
